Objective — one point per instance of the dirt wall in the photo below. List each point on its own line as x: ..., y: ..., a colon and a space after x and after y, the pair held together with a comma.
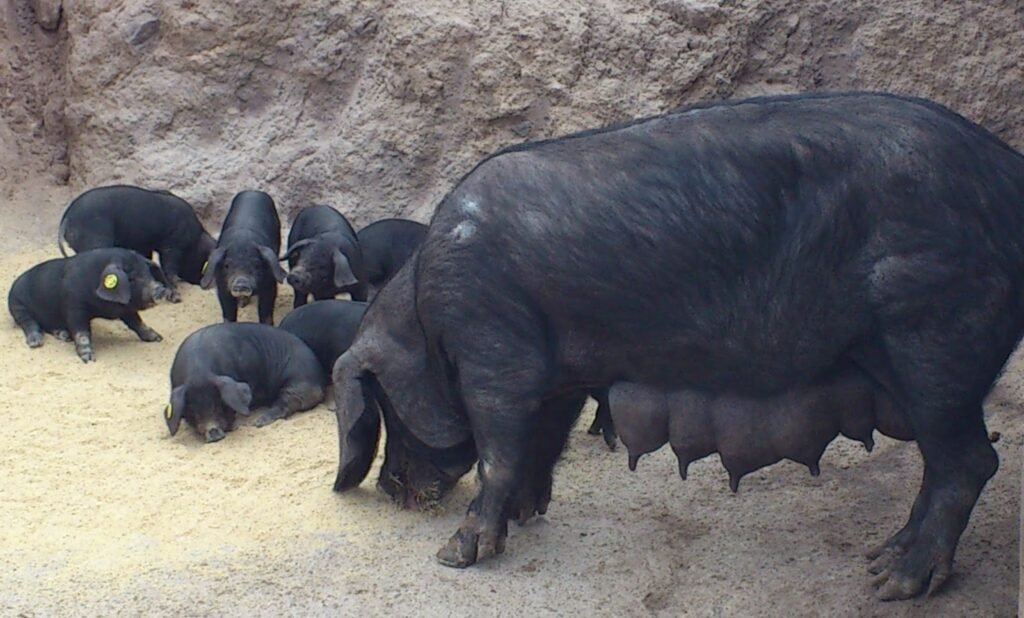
x: 377, y: 107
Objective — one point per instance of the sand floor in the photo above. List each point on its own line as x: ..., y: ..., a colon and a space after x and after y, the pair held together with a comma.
x: 102, y: 513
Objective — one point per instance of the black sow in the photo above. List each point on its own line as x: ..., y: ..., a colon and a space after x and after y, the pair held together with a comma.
x: 738, y: 249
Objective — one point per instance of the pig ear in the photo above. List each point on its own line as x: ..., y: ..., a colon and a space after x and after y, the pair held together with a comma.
x: 292, y: 249
x: 235, y: 395
x: 358, y: 422
x: 114, y: 285
x: 175, y: 409
x: 270, y: 258
x: 156, y: 272
x: 210, y: 268
x: 343, y: 275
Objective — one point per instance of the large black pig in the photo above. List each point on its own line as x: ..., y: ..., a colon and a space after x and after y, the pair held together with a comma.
x: 744, y: 248
x: 323, y: 255
x: 386, y: 245
x: 223, y: 370
x: 63, y: 296
x: 143, y: 220
x: 245, y: 263
x: 326, y: 326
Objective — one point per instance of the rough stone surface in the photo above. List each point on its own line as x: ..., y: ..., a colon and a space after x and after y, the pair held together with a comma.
x: 378, y: 107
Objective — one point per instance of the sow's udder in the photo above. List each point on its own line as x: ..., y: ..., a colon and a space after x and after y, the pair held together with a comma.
x: 751, y: 433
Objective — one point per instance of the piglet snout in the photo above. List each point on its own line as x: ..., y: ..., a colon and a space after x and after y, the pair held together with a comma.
x: 241, y: 287
x: 298, y: 279
x: 213, y: 434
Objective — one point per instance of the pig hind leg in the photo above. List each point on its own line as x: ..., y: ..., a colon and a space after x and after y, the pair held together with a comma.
x: 603, y: 424
x: 28, y: 324
x: 554, y: 422
x: 293, y: 398
x: 945, y: 366
x: 502, y: 402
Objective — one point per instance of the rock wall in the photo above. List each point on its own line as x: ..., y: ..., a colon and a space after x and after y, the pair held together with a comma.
x: 378, y: 107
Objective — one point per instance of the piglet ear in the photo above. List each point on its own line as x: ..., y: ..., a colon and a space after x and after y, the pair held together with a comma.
x: 292, y: 249
x: 343, y: 275
x: 270, y: 258
x: 175, y: 409
x: 235, y: 395
x: 210, y: 268
x: 114, y: 285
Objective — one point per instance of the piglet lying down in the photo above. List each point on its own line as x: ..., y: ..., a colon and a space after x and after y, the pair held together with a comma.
x: 232, y: 368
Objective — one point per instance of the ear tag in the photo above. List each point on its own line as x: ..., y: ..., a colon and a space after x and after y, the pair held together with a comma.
x: 202, y: 271
x: 168, y: 412
x: 110, y: 281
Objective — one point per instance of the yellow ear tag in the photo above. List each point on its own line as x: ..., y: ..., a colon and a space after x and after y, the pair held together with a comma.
x: 202, y: 271
x: 168, y: 412
x: 110, y: 281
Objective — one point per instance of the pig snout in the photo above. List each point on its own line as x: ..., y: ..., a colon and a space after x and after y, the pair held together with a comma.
x: 211, y: 430
x: 213, y: 434
x: 242, y: 286
x: 298, y: 278
x: 152, y: 292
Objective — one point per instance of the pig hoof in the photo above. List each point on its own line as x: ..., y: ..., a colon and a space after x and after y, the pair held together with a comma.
x: 214, y: 434
x: 920, y: 569
x: 173, y: 296
x: 267, y: 418
x: 63, y: 335
x: 149, y: 335
x: 470, y: 544
x: 86, y: 355
x: 34, y: 340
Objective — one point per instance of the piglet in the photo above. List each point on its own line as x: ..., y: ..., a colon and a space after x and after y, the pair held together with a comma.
x: 62, y: 296
x: 224, y: 370
x: 386, y: 245
x: 324, y: 258
x: 143, y: 220
x: 245, y: 263
x: 326, y: 326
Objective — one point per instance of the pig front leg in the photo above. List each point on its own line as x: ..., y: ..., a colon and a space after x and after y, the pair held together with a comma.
x: 170, y: 262
x: 81, y: 333
x: 292, y: 398
x: 228, y: 304
x: 265, y: 308
x: 134, y: 321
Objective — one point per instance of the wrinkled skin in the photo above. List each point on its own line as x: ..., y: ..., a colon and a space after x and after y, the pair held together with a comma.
x: 63, y: 296
x: 386, y: 245
x: 324, y: 257
x: 142, y: 220
x: 223, y: 370
x: 775, y: 241
x: 244, y: 263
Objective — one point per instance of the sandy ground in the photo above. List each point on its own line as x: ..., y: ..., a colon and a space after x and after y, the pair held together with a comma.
x: 102, y: 513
